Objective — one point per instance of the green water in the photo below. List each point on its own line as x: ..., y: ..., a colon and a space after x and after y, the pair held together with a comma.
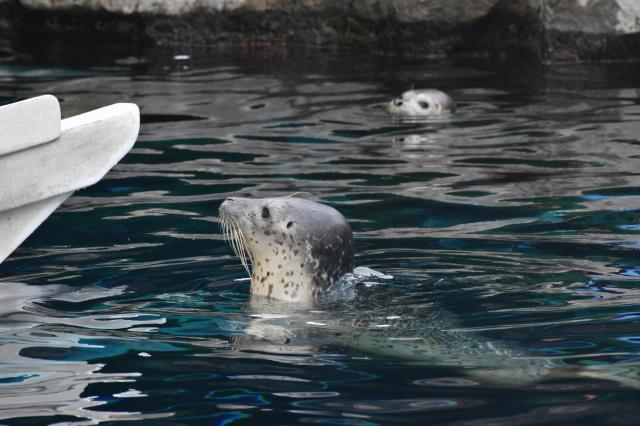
x: 510, y: 230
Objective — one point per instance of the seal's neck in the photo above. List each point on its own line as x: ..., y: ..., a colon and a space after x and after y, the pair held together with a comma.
x: 282, y: 278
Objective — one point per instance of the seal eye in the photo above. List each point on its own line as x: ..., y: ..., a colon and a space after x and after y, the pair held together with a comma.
x: 424, y: 104
x: 265, y: 213
x: 397, y: 102
x: 289, y: 225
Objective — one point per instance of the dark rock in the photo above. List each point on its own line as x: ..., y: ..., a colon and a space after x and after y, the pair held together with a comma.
x: 511, y: 30
x: 505, y: 30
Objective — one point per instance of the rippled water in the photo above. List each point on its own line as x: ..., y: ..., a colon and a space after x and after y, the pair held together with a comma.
x: 510, y: 230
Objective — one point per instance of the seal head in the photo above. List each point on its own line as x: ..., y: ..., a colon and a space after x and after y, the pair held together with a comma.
x: 422, y: 103
x: 293, y: 249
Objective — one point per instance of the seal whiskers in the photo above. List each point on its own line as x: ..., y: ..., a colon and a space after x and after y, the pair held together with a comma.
x: 234, y: 236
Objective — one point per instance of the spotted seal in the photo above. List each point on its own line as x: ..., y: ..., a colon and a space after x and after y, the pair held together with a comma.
x: 293, y: 249
x: 422, y: 102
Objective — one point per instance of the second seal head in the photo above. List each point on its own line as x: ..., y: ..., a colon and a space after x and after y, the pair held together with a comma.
x: 422, y: 102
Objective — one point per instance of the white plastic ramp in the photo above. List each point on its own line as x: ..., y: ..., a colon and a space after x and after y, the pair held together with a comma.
x: 29, y: 123
x: 35, y: 181
x: 17, y: 224
x: 90, y: 145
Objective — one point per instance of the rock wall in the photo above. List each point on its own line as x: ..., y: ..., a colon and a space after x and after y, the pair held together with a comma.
x: 532, y: 30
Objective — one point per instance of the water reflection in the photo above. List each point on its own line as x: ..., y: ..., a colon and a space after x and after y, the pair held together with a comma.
x: 380, y: 323
x: 40, y: 373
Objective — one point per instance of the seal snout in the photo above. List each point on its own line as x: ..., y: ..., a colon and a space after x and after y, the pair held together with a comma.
x: 394, y: 106
x: 224, y: 208
x: 229, y: 206
x: 228, y: 201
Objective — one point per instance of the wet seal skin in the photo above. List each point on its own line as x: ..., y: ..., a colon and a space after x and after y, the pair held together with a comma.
x: 423, y: 102
x: 293, y: 249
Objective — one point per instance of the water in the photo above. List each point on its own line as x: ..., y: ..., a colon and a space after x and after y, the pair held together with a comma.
x: 510, y: 230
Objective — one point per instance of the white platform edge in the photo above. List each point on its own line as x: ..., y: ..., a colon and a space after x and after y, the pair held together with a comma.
x: 29, y: 123
x: 17, y: 224
x: 37, y: 180
x: 89, y: 146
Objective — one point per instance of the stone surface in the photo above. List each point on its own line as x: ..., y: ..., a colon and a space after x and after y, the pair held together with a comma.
x: 6, y: 26
x: 591, y: 29
x: 29, y: 123
x: 136, y: 6
x: 404, y: 11
x: 535, y: 30
x: 592, y: 16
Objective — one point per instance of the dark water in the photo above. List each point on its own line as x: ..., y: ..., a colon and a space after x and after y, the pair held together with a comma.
x: 511, y: 232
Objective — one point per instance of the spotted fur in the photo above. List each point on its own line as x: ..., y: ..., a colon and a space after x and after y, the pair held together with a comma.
x: 293, y: 249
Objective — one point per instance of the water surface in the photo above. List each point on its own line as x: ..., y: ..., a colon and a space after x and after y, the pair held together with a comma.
x: 510, y: 230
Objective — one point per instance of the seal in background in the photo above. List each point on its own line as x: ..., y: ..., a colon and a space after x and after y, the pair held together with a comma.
x: 422, y: 102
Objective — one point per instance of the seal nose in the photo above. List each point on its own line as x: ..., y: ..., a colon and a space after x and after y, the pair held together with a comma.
x: 224, y: 207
